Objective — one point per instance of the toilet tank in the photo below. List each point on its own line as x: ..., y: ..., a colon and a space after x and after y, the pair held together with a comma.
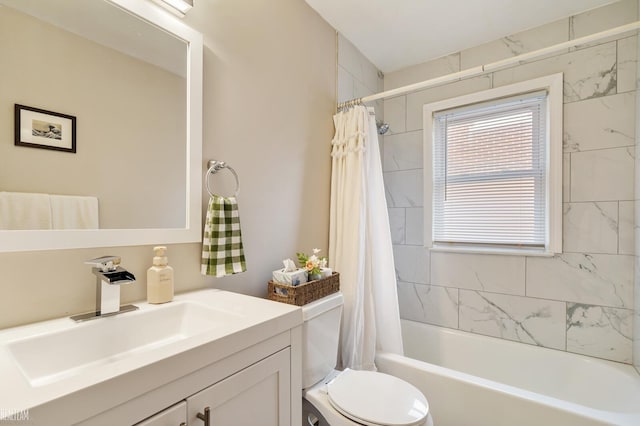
x: 320, y: 337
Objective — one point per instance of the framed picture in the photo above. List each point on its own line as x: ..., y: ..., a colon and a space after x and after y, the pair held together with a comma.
x: 38, y: 128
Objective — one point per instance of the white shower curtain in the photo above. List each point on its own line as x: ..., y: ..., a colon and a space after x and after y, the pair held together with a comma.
x: 360, y: 242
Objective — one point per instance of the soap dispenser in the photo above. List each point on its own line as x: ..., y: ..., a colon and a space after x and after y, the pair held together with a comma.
x: 160, y: 278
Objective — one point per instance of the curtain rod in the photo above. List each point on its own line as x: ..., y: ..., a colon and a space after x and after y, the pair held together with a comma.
x: 493, y: 66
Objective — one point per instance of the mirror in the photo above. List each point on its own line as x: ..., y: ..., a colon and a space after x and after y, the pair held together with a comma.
x: 130, y: 76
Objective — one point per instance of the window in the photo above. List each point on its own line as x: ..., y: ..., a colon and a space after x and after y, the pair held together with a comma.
x: 493, y: 177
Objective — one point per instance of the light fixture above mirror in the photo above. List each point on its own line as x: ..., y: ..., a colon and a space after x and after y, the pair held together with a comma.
x: 178, y: 7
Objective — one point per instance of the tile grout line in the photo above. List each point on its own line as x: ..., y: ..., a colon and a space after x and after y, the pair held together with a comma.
x: 570, y: 169
x: 618, y: 229
x: 404, y: 234
x: 526, y: 261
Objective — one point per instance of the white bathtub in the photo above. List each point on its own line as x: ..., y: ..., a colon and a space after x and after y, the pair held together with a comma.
x: 477, y: 380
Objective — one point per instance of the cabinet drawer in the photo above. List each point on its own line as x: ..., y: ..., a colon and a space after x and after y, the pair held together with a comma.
x: 258, y: 395
x: 172, y: 416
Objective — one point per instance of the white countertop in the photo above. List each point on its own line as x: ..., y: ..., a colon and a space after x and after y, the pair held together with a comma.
x: 251, y: 320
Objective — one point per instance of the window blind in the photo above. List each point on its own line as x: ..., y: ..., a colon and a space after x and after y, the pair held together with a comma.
x: 489, y: 173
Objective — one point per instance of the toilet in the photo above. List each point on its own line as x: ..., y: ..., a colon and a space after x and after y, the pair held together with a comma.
x: 349, y: 397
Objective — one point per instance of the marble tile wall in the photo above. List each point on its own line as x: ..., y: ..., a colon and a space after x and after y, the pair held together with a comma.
x: 582, y: 300
x: 357, y: 76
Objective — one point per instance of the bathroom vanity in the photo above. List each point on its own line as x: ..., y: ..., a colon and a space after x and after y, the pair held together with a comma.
x: 229, y: 357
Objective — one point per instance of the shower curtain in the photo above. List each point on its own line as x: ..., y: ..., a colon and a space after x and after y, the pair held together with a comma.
x: 360, y: 242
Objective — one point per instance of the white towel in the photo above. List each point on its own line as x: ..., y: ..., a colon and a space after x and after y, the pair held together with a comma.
x: 22, y: 210
x: 74, y: 212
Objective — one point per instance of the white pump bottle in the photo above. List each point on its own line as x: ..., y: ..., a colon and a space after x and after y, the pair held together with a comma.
x: 160, y: 278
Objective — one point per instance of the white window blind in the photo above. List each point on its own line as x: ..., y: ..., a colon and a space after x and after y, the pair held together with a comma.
x: 489, y: 173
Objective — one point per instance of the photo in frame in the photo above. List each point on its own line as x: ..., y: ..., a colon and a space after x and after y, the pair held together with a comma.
x: 39, y: 128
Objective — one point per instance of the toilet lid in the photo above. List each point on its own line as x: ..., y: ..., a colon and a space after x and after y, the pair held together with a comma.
x: 375, y: 399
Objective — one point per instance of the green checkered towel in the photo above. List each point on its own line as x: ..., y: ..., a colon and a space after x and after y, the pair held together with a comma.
x: 222, y: 252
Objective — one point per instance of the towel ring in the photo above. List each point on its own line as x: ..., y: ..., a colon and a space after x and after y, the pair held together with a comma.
x: 216, y: 166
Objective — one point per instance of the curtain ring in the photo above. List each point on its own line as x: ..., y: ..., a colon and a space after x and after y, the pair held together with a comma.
x: 216, y: 166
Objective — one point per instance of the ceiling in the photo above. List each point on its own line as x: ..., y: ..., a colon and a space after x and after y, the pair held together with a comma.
x: 395, y: 34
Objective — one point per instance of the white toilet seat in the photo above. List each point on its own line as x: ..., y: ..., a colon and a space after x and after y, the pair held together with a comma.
x: 377, y: 399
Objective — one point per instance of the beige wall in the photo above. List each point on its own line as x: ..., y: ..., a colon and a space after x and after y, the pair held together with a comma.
x: 127, y: 146
x: 269, y: 94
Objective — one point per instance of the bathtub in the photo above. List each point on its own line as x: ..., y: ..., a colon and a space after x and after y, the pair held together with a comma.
x: 476, y: 380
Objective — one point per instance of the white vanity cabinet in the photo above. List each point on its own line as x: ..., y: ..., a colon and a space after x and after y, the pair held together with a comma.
x: 241, y: 356
x: 258, y: 395
x: 254, y: 386
x: 238, y: 355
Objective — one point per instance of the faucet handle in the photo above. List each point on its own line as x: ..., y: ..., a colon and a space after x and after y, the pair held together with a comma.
x: 105, y: 263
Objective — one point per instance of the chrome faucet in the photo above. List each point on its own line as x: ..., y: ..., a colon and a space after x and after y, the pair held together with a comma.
x: 110, y: 276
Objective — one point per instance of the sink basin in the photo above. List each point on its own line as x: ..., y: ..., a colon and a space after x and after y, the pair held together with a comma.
x: 49, y: 357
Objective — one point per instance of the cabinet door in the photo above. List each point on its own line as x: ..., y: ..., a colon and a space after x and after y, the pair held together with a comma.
x: 258, y: 395
x: 175, y: 415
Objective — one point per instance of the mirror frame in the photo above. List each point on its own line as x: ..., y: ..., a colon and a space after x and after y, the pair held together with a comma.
x: 31, y: 240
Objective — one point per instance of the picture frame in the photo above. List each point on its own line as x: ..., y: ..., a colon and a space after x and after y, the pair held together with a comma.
x: 39, y: 128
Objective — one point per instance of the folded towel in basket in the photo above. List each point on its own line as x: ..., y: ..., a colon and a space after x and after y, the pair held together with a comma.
x: 222, y: 252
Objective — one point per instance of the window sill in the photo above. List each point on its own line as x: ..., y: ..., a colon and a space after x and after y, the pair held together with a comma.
x: 488, y: 250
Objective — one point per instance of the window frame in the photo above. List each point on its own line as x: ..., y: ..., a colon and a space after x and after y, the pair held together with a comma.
x: 553, y: 85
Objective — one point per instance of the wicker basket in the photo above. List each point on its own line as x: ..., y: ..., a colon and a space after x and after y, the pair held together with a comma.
x: 304, y: 293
